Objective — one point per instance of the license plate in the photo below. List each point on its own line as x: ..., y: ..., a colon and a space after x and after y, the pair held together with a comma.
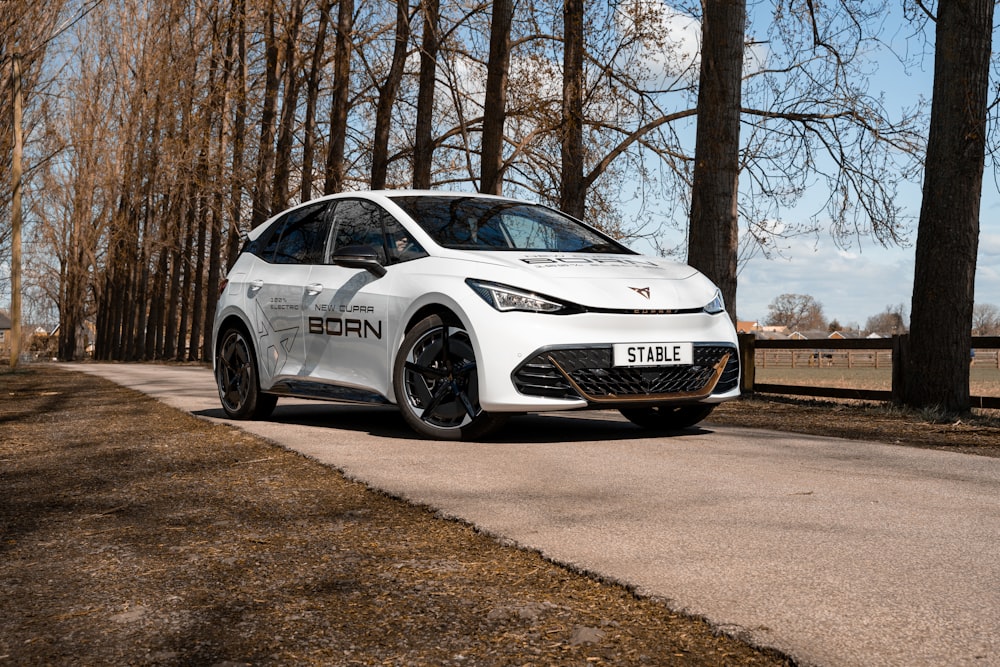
x: 653, y: 354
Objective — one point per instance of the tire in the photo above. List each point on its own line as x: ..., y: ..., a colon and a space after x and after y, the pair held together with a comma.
x: 237, y: 379
x: 668, y: 417
x: 437, y: 383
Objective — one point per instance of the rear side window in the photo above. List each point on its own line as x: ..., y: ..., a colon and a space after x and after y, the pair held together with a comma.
x: 298, y: 238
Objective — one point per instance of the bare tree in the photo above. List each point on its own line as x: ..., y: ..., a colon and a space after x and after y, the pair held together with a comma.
x: 312, y: 95
x: 387, y: 93
x: 890, y: 322
x: 713, y: 235
x: 495, y: 112
x: 265, y: 152
x: 797, y: 312
x: 986, y: 320
x: 423, y: 143
x: 287, y: 126
x: 572, y: 189
x: 936, y: 370
x: 340, y: 102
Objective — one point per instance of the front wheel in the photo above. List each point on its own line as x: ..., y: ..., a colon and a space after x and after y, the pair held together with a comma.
x: 668, y: 417
x: 237, y: 379
x: 436, y: 381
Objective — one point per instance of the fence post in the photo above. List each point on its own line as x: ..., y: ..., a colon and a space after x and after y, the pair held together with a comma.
x: 900, y: 349
x: 748, y: 353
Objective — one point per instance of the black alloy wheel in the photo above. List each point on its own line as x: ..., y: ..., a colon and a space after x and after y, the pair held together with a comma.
x: 437, y: 383
x: 237, y: 379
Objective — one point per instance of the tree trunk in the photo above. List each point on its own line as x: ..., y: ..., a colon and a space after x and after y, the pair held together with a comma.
x: 265, y: 161
x: 239, y: 134
x: 286, y: 128
x: 714, y: 233
x: 495, y: 112
x: 937, y: 367
x: 198, y: 291
x: 186, y: 277
x: 341, y: 93
x: 423, y: 143
x: 572, y: 191
x: 16, y: 213
x: 312, y: 96
x: 387, y: 96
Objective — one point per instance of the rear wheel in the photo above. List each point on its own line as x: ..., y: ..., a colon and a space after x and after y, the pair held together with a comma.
x: 237, y: 379
x: 436, y: 382
x: 668, y: 417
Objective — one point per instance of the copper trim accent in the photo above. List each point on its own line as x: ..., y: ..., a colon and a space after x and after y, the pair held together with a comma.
x: 704, y: 392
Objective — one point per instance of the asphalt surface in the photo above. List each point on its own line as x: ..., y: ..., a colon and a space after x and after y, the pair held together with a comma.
x: 836, y: 552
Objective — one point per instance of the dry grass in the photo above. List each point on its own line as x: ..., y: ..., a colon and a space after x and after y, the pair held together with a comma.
x: 135, y: 534
x: 982, y: 381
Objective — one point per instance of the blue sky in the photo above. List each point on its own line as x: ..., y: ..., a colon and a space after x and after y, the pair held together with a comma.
x: 855, y: 283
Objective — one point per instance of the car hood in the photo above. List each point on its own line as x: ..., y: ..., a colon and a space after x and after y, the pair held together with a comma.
x: 613, y: 281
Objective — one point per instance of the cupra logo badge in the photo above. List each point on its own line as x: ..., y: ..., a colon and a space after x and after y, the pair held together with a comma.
x: 643, y: 291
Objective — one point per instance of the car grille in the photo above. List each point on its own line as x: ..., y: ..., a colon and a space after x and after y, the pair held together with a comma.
x: 592, y: 370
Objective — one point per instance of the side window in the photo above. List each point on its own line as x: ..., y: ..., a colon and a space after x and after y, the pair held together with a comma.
x: 402, y: 246
x: 300, y: 237
x: 359, y: 222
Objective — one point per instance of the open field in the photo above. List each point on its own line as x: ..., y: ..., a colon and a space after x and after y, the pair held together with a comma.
x: 984, y: 381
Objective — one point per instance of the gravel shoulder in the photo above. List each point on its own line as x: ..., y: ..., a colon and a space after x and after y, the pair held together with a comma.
x: 132, y: 533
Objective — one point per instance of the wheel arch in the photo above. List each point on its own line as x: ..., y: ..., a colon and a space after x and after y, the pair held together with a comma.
x: 441, y: 310
x: 232, y: 320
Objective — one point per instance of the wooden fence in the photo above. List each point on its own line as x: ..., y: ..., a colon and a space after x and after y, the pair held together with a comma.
x: 885, y: 353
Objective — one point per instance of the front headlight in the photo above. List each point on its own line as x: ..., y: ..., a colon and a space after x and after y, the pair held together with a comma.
x: 505, y: 298
x: 716, y: 305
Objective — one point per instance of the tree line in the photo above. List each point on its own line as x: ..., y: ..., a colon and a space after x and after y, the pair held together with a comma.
x: 802, y: 312
x: 158, y: 132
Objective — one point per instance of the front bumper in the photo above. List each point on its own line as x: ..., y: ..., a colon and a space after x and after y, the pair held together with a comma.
x: 532, y: 362
x: 588, y: 373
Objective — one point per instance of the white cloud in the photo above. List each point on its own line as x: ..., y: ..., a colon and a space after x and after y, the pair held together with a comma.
x: 989, y: 247
x: 851, y: 286
x: 666, y: 45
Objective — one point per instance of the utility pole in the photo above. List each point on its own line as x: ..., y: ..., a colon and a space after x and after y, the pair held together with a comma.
x: 15, y: 242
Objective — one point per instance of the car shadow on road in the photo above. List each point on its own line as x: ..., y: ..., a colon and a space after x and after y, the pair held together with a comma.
x: 386, y: 422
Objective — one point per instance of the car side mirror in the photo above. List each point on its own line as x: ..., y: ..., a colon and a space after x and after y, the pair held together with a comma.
x: 359, y: 257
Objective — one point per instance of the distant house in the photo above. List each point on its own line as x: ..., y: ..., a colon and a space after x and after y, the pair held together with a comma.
x: 810, y: 335
x: 759, y: 331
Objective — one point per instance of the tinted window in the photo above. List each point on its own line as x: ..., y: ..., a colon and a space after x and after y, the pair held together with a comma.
x: 360, y: 222
x: 299, y: 238
x: 474, y: 223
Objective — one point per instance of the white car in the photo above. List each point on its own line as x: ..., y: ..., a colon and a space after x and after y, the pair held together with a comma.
x: 462, y: 310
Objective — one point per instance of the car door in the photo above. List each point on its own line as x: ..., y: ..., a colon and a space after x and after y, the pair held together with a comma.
x: 278, y: 289
x: 346, y: 320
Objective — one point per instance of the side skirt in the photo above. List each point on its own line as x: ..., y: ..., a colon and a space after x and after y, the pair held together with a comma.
x: 327, y: 392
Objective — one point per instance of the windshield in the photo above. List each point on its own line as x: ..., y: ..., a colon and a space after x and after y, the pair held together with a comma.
x: 476, y: 223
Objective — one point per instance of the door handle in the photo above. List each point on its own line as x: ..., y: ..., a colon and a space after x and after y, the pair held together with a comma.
x: 314, y: 289
x: 256, y: 285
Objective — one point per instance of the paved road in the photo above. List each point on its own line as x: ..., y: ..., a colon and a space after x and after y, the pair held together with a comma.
x: 836, y: 552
